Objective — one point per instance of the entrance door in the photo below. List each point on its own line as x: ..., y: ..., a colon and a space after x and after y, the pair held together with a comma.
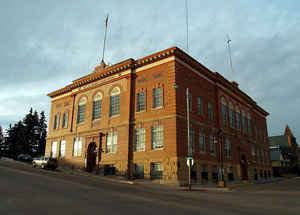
x: 244, y: 167
x: 91, y: 156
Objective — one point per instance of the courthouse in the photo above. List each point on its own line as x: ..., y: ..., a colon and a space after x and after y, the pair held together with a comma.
x: 130, y: 119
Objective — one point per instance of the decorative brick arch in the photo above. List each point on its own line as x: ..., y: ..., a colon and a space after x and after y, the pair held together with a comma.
x: 98, y: 95
x: 84, y: 96
x: 118, y: 86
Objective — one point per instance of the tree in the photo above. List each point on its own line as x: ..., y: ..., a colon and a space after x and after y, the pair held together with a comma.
x: 42, y: 124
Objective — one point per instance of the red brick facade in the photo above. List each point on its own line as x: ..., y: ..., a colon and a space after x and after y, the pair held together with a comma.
x: 173, y: 71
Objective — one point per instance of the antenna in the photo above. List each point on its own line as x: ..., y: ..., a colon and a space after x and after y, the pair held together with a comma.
x: 104, y: 42
x: 229, y: 53
x: 187, y: 25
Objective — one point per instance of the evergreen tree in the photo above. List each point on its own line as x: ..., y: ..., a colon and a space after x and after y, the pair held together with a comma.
x: 43, y: 133
x: 2, y: 147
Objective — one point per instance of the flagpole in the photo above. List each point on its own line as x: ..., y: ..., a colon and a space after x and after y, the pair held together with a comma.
x: 230, y: 60
x: 187, y: 25
x: 104, y: 42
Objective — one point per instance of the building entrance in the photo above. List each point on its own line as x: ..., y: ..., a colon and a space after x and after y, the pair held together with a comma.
x: 244, y: 167
x: 91, y: 157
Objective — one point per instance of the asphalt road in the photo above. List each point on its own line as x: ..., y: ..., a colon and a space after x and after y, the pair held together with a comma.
x: 24, y: 190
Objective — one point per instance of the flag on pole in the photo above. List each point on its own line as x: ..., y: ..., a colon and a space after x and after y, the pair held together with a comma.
x: 106, y: 20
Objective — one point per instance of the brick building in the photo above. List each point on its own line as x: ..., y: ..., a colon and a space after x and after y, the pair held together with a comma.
x: 131, y: 118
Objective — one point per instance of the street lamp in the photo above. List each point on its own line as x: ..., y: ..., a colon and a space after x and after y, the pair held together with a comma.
x: 221, y: 169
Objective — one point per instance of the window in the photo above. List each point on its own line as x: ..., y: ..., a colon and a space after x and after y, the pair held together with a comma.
x: 157, y: 137
x: 201, y: 142
x: 81, y: 110
x: 112, y: 142
x: 227, y: 148
x: 210, y: 111
x: 231, y: 122
x: 157, y: 97
x: 238, y: 120
x: 224, y: 112
x: 249, y: 127
x: 140, y: 105
x: 190, y: 102
x: 244, y: 121
x: 200, y: 106
x: 53, y: 149
x: 140, y: 139
x: 156, y: 171
x: 192, y: 141
x: 77, y: 147
x: 62, y: 149
x: 56, y: 121
x: 65, y: 119
x: 212, y: 144
x: 114, y: 108
x: 97, y: 106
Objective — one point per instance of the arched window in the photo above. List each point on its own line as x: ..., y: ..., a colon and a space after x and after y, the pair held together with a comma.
x: 249, y: 125
x: 224, y: 111
x: 231, y: 123
x: 238, y: 118
x: 97, y: 106
x: 114, y: 107
x: 81, y: 110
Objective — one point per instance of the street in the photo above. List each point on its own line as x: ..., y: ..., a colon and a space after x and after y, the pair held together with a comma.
x: 25, y: 190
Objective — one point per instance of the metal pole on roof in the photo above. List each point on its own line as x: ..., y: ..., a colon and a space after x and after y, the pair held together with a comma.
x: 229, y: 53
x: 104, y: 42
x: 187, y: 25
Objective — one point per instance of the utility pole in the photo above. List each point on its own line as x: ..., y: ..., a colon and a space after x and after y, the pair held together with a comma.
x: 189, y: 157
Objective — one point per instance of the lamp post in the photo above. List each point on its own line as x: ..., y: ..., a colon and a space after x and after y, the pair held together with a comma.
x: 221, y: 169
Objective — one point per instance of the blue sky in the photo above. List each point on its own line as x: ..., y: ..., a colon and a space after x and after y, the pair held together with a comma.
x: 47, y: 44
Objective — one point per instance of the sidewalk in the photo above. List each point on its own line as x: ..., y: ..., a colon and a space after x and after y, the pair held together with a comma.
x: 142, y: 182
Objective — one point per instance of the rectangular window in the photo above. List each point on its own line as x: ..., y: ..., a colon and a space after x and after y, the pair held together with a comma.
x: 141, y: 102
x: 65, y: 120
x: 212, y: 149
x: 81, y: 113
x: 210, y: 111
x: 157, y: 97
x: 192, y: 140
x: 140, y: 139
x: 112, y: 142
x: 53, y: 149
x: 249, y: 127
x: 97, y: 109
x: 231, y: 118
x: 157, y: 137
x: 62, y: 149
x: 114, y: 105
x: 224, y: 114
x: 56, y: 121
x: 156, y: 171
x: 77, y: 147
x: 190, y: 102
x: 200, y: 106
x: 227, y: 148
x: 244, y: 121
x: 202, y: 142
x: 238, y: 121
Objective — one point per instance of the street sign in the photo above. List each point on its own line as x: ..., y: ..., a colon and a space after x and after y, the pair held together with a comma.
x: 189, y: 160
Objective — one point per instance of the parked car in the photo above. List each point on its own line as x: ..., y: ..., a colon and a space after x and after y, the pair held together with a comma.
x: 24, y: 157
x: 45, y: 162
